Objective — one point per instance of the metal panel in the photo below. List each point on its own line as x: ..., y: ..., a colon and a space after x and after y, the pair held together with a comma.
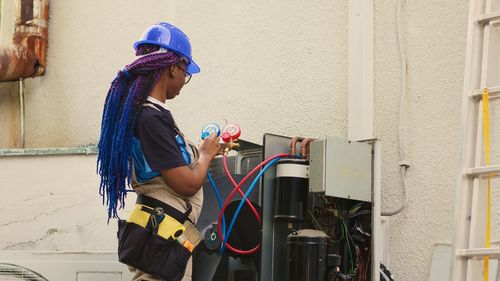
x: 64, y: 266
x: 317, y: 166
x: 273, y: 265
x: 348, y: 169
x: 344, y: 170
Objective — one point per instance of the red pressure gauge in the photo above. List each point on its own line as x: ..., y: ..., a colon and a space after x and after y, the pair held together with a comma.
x: 233, y: 130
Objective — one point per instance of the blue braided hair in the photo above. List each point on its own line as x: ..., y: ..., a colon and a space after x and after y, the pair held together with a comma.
x: 128, y: 91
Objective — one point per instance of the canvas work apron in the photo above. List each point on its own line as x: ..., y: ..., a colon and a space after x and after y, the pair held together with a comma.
x: 158, y: 189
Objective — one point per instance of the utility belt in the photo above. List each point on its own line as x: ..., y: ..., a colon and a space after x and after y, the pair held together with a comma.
x: 157, y: 238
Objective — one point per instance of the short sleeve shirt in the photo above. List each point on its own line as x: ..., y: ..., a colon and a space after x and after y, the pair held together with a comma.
x: 156, y: 130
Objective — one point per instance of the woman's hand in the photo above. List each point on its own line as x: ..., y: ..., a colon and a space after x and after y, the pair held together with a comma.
x: 210, y: 146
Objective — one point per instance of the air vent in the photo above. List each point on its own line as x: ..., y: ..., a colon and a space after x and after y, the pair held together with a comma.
x: 11, y: 272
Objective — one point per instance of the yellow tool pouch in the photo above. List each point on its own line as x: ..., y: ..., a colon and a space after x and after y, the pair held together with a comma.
x: 149, y: 239
x: 167, y: 226
x: 138, y: 216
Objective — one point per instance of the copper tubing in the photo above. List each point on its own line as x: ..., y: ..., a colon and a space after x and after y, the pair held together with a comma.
x: 27, y: 56
x: 293, y: 143
x: 305, y: 147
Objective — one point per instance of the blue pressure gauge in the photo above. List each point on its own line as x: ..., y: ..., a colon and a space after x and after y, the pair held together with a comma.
x: 210, y: 129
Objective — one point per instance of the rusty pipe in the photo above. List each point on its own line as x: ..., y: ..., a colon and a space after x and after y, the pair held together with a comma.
x: 31, y: 29
x: 27, y: 56
x: 16, y: 62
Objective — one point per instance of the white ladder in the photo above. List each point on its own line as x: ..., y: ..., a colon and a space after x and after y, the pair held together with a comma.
x: 482, y: 56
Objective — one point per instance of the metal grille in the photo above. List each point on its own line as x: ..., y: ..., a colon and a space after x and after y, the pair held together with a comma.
x: 11, y: 272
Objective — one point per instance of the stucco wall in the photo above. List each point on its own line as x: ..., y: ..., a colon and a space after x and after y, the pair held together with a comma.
x: 9, y: 115
x: 268, y: 67
x: 434, y: 36
x: 51, y: 204
x: 277, y: 67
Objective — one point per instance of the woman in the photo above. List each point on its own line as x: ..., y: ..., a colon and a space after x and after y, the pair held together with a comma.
x: 140, y: 143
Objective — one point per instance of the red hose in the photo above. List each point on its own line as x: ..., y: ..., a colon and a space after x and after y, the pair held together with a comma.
x: 236, y: 189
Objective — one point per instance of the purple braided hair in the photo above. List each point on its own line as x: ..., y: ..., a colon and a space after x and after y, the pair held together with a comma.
x: 128, y: 91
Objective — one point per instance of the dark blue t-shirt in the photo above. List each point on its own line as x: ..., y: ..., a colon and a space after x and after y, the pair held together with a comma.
x: 155, y: 131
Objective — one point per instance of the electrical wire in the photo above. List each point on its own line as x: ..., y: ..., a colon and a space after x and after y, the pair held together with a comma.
x: 367, y: 262
x: 348, y: 246
x: 318, y: 226
x: 315, y: 222
x: 359, y: 261
x: 354, y: 211
x: 403, y: 164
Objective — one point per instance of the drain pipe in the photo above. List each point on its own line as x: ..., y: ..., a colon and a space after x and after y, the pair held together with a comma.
x: 21, y: 111
x: 26, y: 57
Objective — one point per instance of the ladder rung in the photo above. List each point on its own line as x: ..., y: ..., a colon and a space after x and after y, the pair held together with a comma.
x: 494, y: 93
x: 493, y: 170
x: 489, y: 17
x: 478, y: 252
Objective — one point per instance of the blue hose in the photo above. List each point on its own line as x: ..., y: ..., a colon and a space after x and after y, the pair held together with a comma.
x: 219, y: 200
x: 255, y: 181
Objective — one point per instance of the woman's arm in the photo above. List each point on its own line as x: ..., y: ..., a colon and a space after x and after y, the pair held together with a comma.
x: 187, y: 181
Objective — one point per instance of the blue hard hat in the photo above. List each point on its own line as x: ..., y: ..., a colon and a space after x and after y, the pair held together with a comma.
x: 171, y: 38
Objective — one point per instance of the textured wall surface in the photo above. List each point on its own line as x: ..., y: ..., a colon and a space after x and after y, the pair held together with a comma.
x: 9, y: 115
x: 276, y: 67
x: 51, y: 203
x: 269, y: 67
x: 434, y: 35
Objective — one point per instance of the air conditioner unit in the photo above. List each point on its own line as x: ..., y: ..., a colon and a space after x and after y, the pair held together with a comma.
x: 62, y: 266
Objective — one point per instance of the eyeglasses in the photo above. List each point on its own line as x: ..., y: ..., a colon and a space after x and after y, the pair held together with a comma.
x: 186, y: 74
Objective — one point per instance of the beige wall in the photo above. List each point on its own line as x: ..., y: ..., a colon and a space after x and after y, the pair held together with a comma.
x: 264, y: 66
x: 51, y: 203
x: 434, y: 35
x: 277, y: 67
x: 9, y: 115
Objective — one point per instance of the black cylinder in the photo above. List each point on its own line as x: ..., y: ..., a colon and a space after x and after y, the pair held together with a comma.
x: 307, y: 253
x: 292, y: 189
